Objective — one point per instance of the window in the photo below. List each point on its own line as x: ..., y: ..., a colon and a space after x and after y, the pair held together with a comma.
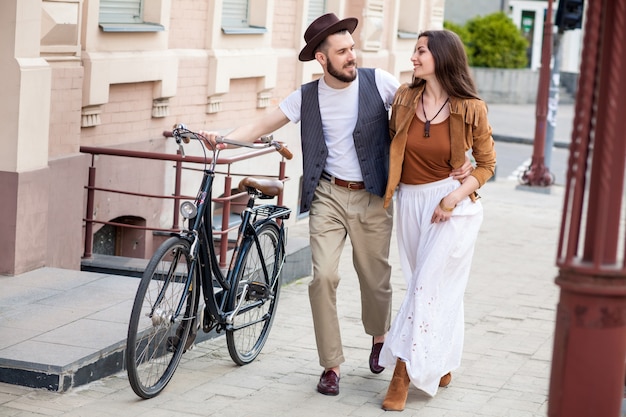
x: 407, y: 22
x: 124, y: 16
x: 402, y: 34
x: 416, y: 16
x: 316, y: 9
x: 236, y: 18
x: 235, y: 14
x: 120, y: 11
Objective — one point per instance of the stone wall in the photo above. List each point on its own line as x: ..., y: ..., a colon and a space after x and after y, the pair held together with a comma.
x: 516, y: 86
x: 506, y: 86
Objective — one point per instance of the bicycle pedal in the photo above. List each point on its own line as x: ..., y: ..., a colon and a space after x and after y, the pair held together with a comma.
x: 258, y: 290
x: 173, y: 342
x: 208, y: 322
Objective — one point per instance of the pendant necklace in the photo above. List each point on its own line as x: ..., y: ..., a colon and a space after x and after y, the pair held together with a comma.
x: 427, y: 125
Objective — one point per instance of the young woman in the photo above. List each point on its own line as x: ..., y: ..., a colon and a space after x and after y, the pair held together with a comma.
x: 435, y: 120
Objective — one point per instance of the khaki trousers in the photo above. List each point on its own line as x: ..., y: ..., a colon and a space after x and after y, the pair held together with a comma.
x: 336, y: 213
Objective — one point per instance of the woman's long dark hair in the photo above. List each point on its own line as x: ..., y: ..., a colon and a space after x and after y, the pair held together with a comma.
x: 451, y: 66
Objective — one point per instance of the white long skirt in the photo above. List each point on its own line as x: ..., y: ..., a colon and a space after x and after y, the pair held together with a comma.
x: 428, y: 331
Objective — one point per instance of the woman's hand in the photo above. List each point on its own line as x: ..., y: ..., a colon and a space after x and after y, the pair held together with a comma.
x: 464, y: 171
x: 444, y: 210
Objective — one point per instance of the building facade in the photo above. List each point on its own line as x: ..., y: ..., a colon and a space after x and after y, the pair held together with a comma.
x: 117, y: 73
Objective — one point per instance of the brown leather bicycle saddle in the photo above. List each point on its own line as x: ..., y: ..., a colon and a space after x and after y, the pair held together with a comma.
x: 267, y: 186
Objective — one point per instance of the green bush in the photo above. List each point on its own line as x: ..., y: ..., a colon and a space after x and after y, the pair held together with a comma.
x: 492, y: 41
x: 459, y: 30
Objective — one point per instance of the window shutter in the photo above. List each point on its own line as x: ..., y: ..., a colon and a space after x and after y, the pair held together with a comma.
x: 120, y: 11
x: 316, y: 9
x: 235, y: 13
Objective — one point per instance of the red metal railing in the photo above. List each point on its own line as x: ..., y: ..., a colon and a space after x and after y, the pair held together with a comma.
x: 225, y: 199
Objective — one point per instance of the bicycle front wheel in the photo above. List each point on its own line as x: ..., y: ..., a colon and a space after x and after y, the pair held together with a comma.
x: 255, y: 290
x: 161, y: 318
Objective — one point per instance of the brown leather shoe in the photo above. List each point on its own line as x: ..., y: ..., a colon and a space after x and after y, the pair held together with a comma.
x: 374, y: 355
x: 329, y: 383
x: 445, y: 380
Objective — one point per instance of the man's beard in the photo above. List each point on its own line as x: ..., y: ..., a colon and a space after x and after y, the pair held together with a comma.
x: 338, y: 75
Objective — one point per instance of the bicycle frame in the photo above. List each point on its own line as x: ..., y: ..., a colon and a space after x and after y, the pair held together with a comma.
x: 205, y: 262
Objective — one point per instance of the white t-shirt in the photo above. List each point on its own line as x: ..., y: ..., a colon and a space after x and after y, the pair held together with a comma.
x: 339, y: 111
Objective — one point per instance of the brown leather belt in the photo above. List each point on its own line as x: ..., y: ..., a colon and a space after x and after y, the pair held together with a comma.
x: 350, y: 185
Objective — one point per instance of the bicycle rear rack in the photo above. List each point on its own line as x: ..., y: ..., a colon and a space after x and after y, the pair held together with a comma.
x: 271, y: 211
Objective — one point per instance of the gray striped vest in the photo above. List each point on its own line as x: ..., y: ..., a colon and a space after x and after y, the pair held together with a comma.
x: 371, y: 138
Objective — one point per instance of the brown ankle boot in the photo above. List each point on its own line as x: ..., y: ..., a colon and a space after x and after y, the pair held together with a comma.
x: 445, y: 380
x: 398, y: 389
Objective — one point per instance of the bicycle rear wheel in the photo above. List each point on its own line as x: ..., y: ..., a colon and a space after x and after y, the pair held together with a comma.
x: 257, y: 289
x: 161, y: 319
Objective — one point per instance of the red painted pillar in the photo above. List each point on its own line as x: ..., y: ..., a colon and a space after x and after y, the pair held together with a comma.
x: 589, y: 355
x: 537, y: 173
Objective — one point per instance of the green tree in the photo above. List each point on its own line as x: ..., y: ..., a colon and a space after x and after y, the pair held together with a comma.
x: 492, y: 41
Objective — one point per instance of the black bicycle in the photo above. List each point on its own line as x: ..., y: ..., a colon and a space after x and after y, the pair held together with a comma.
x: 241, y: 302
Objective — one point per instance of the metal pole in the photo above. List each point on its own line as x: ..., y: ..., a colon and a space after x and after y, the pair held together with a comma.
x: 537, y: 174
x: 88, y: 252
x: 553, y: 102
x: 228, y: 183
x: 177, y: 188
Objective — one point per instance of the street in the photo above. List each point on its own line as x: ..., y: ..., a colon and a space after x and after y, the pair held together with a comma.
x: 514, y: 158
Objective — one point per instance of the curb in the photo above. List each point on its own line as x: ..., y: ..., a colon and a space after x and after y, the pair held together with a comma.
x: 526, y: 141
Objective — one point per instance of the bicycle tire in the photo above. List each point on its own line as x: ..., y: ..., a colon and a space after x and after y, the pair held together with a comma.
x: 154, y: 341
x: 251, y: 326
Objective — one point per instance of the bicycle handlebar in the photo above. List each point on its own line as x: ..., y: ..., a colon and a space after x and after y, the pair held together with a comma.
x: 182, y: 133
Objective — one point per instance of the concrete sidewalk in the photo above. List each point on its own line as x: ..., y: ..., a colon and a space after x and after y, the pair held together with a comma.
x: 510, y: 313
x: 510, y: 317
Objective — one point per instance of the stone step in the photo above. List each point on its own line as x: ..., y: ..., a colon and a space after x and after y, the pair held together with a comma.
x: 63, y: 328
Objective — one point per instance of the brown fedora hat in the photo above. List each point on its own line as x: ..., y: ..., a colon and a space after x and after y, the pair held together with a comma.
x: 320, y: 28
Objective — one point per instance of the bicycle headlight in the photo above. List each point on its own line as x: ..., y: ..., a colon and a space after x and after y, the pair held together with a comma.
x: 188, y: 210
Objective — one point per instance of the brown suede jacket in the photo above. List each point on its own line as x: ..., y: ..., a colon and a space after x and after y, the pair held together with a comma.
x: 469, y: 128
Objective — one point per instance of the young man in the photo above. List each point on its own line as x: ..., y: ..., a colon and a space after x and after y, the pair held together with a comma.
x: 345, y: 145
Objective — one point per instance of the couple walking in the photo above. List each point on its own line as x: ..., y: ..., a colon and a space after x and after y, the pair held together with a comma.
x: 356, y: 159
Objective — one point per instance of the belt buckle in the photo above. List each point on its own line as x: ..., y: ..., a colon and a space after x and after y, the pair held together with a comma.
x: 350, y: 184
